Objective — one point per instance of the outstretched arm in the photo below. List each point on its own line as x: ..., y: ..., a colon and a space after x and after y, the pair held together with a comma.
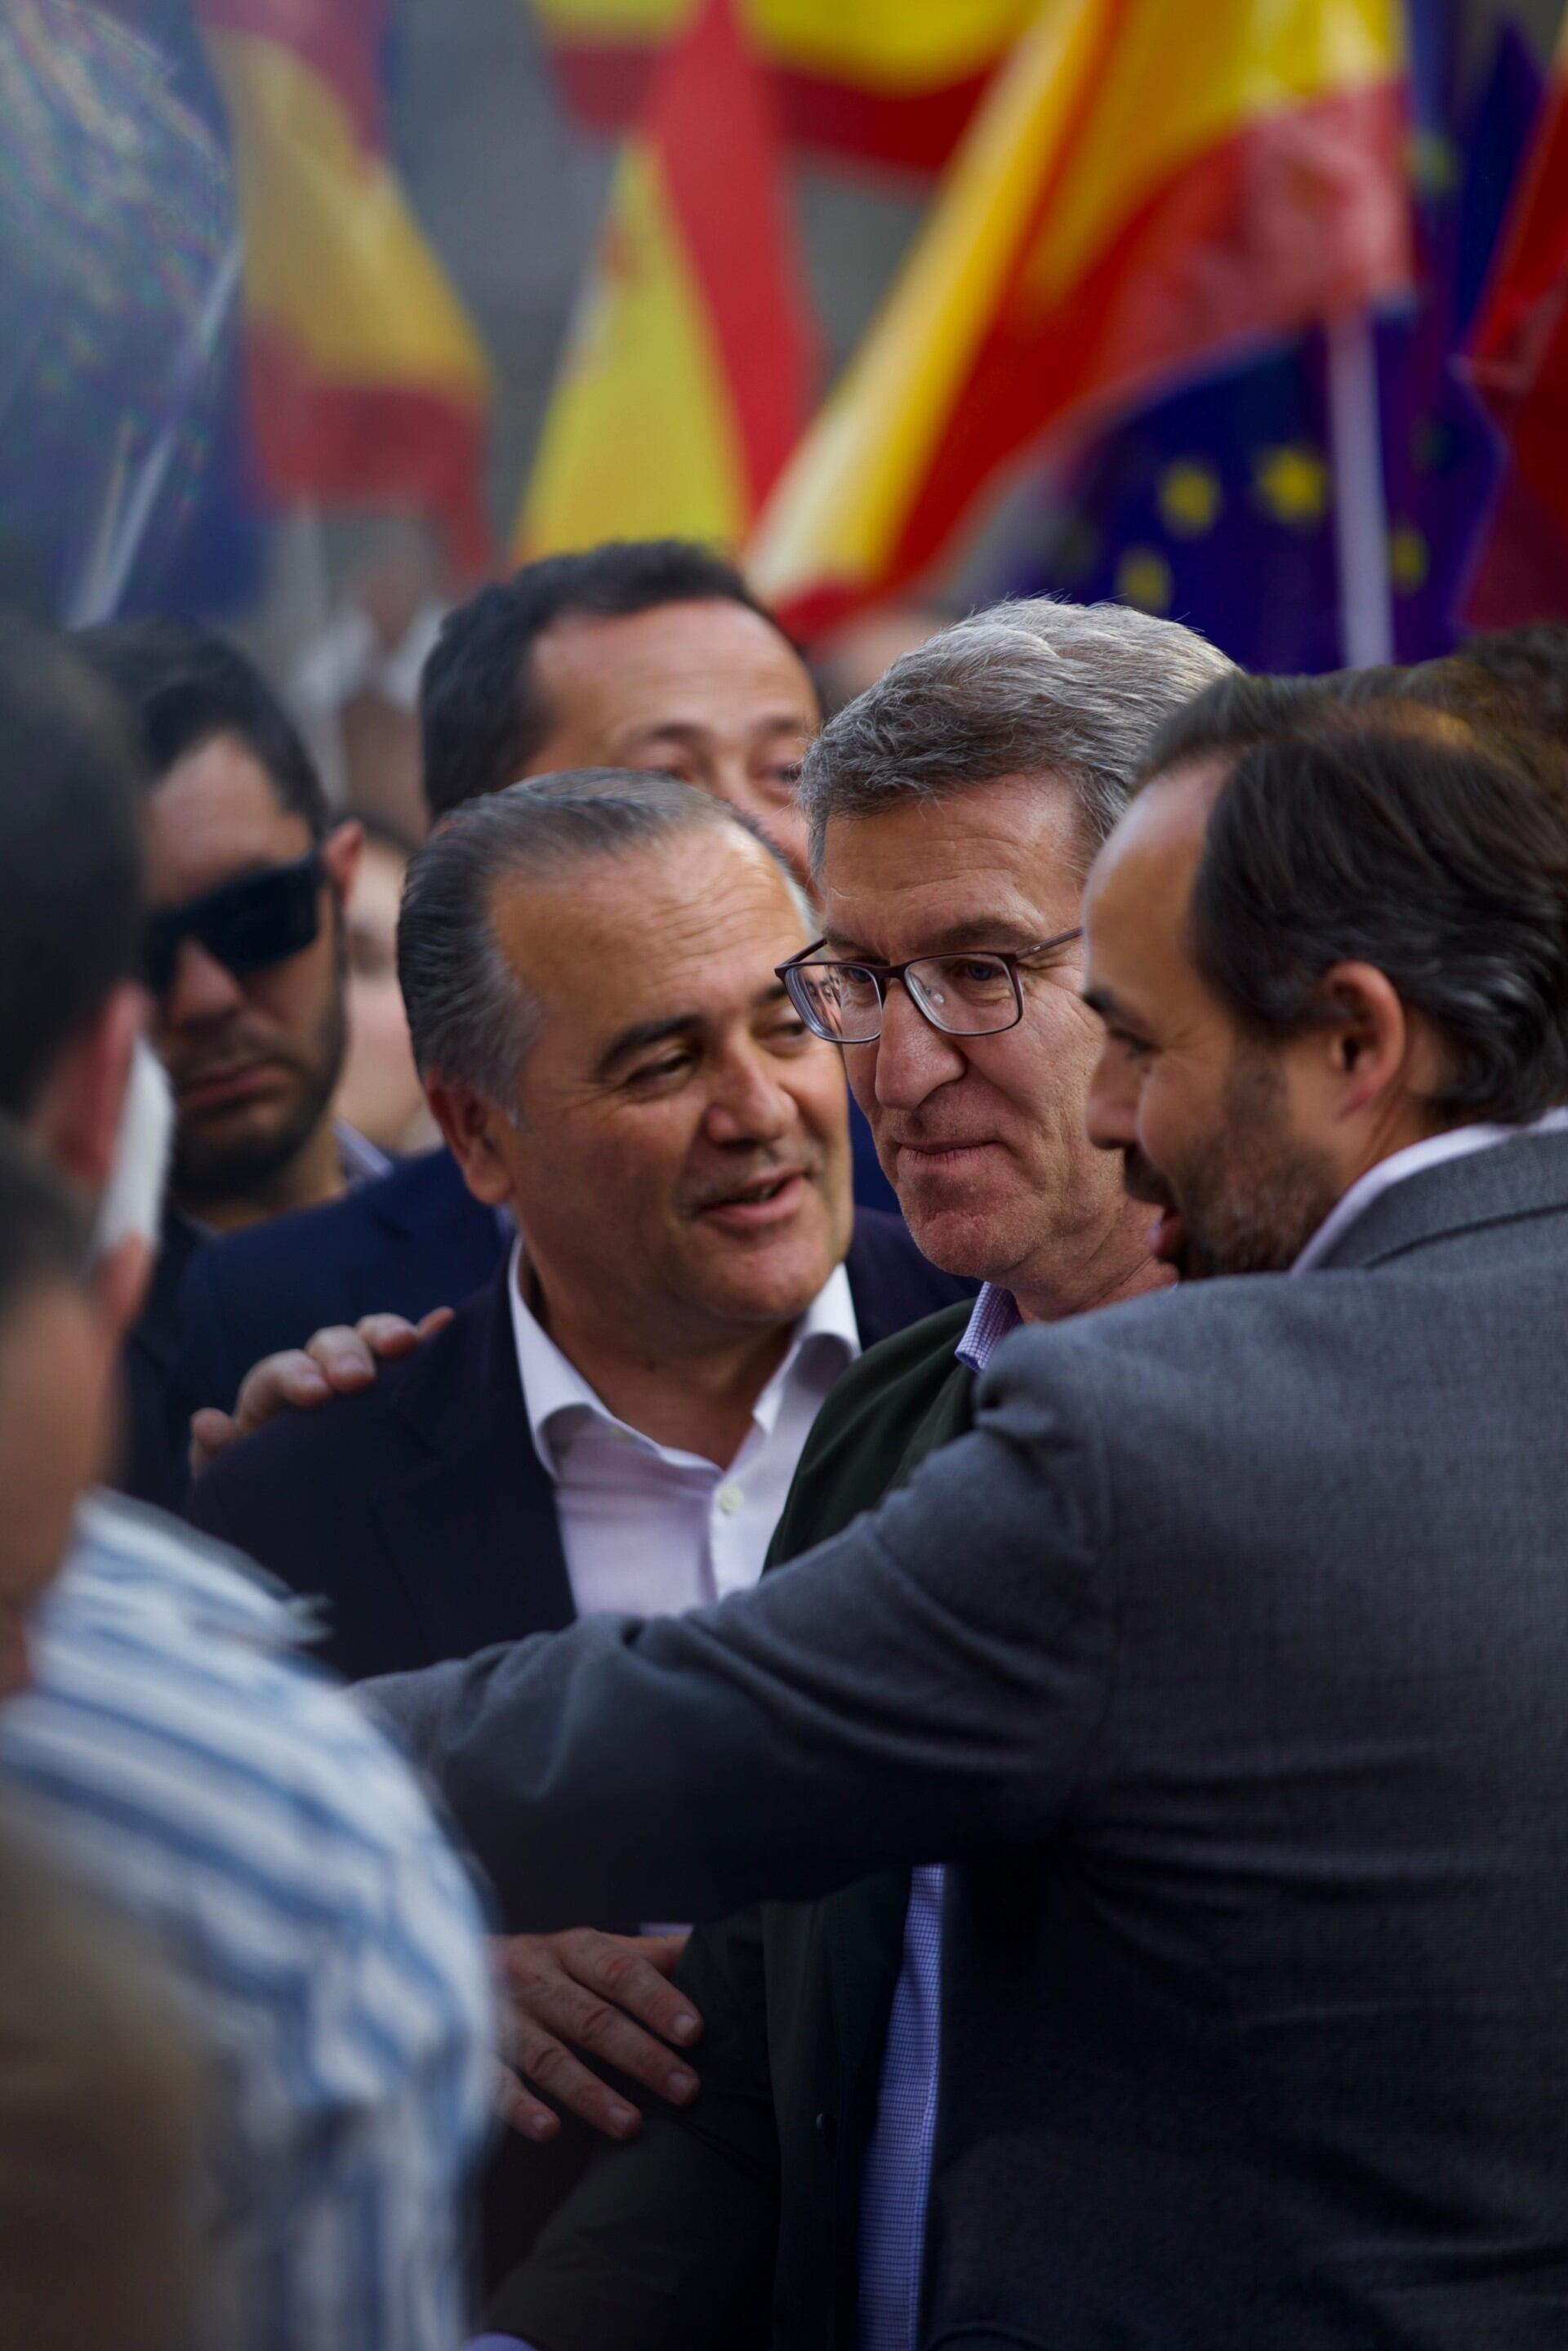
x: 921, y: 1683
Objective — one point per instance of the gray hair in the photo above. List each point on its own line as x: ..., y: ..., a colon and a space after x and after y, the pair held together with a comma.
x: 1033, y: 687
x: 468, y: 1016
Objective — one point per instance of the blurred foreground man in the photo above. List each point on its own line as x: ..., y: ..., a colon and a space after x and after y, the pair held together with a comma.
x: 962, y: 800
x: 1224, y: 1656
x: 320, y: 1937
x: 99, y: 2095
x: 243, y: 953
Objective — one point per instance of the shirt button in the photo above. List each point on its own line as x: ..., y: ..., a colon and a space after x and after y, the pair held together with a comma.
x: 729, y: 1499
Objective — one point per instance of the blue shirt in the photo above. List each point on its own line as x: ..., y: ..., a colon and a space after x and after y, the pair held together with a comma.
x: 324, y: 1942
x: 896, y: 2180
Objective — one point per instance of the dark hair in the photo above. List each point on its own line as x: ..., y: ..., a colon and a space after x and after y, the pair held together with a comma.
x: 481, y: 714
x: 70, y: 856
x: 181, y: 684
x: 1392, y: 833
x: 44, y: 1229
x: 1530, y: 666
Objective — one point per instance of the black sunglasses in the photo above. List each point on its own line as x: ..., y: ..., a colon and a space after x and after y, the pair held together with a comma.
x: 245, y: 925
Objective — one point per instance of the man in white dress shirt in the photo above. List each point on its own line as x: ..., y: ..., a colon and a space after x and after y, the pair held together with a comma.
x: 589, y: 966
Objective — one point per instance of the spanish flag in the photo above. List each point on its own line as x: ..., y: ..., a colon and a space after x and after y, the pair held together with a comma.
x: 882, y: 82
x: 1145, y: 186
x: 1519, y: 351
x: 367, y: 384
x: 684, y: 383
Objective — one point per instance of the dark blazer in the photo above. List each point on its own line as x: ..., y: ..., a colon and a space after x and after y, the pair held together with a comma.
x: 410, y: 1240
x: 1224, y: 1660
x: 735, y: 2221
x: 419, y: 1511
x: 153, y: 1464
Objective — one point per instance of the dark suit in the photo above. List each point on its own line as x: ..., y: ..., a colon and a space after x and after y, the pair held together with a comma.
x: 1225, y: 1660
x: 735, y: 2221
x: 419, y: 1509
x: 155, y: 1448
x: 400, y: 1244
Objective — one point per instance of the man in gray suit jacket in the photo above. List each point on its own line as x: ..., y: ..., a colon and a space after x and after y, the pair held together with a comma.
x: 1225, y: 1657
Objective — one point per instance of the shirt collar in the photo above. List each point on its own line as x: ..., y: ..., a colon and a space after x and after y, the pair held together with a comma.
x: 1457, y: 1143
x: 360, y: 1160
x: 995, y: 1313
x: 553, y: 1386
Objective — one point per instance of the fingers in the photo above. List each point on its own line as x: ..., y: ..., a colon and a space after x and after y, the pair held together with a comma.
x: 292, y: 1381
x: 522, y: 2112
x: 436, y: 1320
x: 384, y: 1335
x: 211, y: 1433
x: 597, y: 1993
x: 546, y: 2063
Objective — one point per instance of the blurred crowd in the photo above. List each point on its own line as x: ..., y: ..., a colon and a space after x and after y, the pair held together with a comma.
x: 908, y: 1306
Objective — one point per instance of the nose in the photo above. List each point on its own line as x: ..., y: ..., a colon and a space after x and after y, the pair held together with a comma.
x: 200, y: 991
x: 913, y: 1058
x: 1111, y: 1115
x: 749, y: 1102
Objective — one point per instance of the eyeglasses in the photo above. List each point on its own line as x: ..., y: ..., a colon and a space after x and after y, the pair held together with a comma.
x: 262, y: 919
x: 975, y: 994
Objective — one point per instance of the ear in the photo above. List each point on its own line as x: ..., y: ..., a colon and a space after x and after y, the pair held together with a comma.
x: 1366, y: 1033
x: 471, y: 1128
x: 77, y: 1123
x: 340, y: 853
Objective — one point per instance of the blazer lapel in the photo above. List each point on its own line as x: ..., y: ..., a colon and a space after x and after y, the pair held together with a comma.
x: 473, y: 1529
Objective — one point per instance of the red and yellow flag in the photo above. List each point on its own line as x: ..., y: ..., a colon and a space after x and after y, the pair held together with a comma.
x: 367, y: 381
x: 885, y: 81
x: 684, y: 383
x: 1520, y: 350
x: 1143, y: 186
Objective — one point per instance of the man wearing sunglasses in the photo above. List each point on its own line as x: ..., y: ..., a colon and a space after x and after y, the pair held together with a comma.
x: 242, y: 952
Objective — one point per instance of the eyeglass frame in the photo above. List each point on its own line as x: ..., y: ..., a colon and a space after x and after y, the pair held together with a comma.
x: 165, y: 931
x: 883, y: 974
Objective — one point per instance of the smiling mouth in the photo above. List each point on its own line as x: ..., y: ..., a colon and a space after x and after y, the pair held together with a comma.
x: 749, y: 1198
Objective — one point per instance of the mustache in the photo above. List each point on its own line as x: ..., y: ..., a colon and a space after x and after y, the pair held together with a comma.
x: 1142, y: 1181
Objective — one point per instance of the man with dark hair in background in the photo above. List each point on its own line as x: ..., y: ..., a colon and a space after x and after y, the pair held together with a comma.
x: 1222, y: 1660
x: 243, y: 952
x: 640, y: 654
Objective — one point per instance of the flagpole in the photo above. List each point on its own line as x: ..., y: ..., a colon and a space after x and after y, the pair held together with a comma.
x: 1360, y: 503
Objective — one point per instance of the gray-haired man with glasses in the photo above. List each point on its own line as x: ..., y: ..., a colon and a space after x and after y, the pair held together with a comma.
x: 954, y: 809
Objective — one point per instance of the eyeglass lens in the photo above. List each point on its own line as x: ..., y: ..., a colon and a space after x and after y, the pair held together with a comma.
x: 967, y: 995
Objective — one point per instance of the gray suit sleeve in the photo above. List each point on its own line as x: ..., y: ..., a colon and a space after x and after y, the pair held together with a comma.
x: 922, y: 1684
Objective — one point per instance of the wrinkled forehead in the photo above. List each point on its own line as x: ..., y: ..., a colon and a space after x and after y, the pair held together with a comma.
x: 704, y: 918
x: 1007, y: 856
x: 709, y: 660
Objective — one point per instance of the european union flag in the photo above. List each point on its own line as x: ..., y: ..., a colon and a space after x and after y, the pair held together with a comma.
x: 1216, y: 505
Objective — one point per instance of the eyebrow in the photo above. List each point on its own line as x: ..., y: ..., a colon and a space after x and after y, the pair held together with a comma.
x: 989, y: 931
x: 645, y: 1033
x: 692, y: 730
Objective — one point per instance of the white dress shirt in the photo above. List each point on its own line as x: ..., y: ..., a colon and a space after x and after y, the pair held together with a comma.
x: 647, y: 1529
x: 1457, y: 1143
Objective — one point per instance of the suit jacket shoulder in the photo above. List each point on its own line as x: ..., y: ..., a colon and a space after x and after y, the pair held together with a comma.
x: 417, y: 1510
x: 410, y: 1240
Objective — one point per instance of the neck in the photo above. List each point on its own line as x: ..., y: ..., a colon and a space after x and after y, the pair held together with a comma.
x: 313, y: 1176
x: 1119, y: 1267
x: 696, y: 1397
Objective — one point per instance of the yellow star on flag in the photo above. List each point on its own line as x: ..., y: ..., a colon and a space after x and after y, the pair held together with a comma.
x: 1190, y: 498
x: 1291, y: 485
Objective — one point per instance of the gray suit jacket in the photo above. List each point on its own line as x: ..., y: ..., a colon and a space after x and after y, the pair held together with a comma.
x: 1227, y: 1658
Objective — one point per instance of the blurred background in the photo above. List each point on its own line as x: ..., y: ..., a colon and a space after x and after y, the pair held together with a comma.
x: 316, y: 311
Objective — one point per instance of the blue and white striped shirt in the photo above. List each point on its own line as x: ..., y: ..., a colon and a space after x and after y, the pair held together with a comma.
x: 324, y: 1939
